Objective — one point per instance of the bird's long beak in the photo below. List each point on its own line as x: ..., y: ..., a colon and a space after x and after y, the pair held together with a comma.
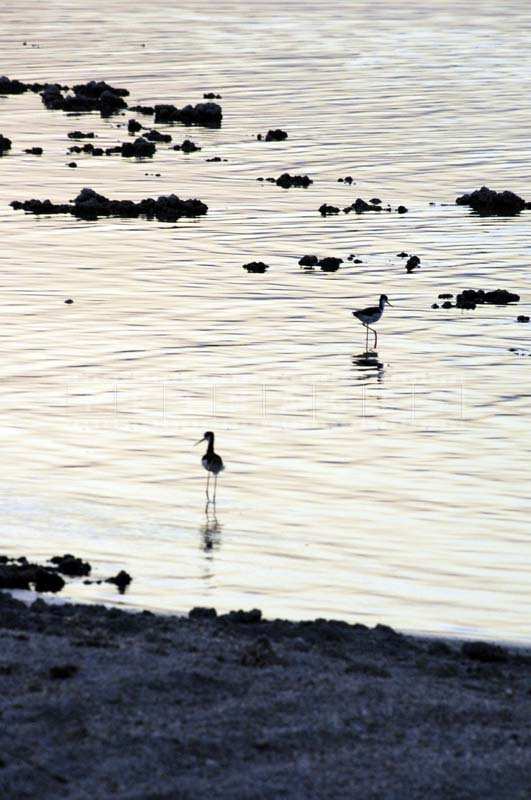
x: 199, y: 442
x: 388, y: 303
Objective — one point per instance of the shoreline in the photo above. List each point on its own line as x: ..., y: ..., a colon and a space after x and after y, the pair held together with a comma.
x: 106, y: 702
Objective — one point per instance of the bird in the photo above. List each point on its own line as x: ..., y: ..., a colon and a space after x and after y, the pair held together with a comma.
x: 368, y: 316
x: 211, y: 462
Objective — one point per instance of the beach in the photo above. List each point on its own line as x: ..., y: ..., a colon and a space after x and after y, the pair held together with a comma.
x: 102, y: 703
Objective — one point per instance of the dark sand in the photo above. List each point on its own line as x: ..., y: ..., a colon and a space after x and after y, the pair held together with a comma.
x: 145, y: 707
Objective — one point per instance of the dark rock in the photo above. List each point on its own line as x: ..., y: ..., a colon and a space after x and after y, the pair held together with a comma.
x: 256, y: 266
x: 376, y: 201
x: 148, y: 110
x: 349, y: 179
x: 357, y: 261
x: 326, y: 210
x: 209, y: 115
x: 309, y: 261
x: 5, y: 144
x: 72, y: 164
x: 140, y: 148
x: 287, y: 181
x: 485, y: 652
x: 217, y: 158
x: 201, y: 612
x: 243, y: 617
x: 276, y: 135
x: 46, y: 580
x: 80, y: 135
x: 435, y: 305
x: 487, y: 202
x: 86, y: 148
x: 8, y: 86
x: 157, y: 136
x: 211, y: 96
x: 412, y: 263
x: 445, y: 296
x: 190, y: 147
x: 447, y: 304
x: 359, y: 206
x: 402, y: 255
x: 70, y: 565
x: 91, y: 205
x: 121, y: 580
x: 402, y: 210
x: 522, y: 318
x: 69, y: 301
x: 133, y: 126
x: 330, y: 264
x: 34, y: 151
x: 91, y: 96
x: 470, y: 298
x: 259, y: 653
x: 63, y: 671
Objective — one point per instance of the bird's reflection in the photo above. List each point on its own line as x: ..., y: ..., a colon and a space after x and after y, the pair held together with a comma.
x: 211, y: 529
x: 369, y: 365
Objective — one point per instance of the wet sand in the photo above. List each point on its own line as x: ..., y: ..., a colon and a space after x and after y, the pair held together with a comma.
x: 101, y: 703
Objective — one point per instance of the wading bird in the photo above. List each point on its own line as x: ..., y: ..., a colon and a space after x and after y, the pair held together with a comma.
x: 211, y: 462
x: 368, y: 316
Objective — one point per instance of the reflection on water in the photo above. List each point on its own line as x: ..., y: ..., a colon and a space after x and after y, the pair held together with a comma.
x: 389, y: 486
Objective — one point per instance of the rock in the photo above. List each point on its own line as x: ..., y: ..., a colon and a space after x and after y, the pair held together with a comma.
x: 201, y: 612
x: 446, y: 304
x: 243, y: 617
x: 522, y: 318
x: 209, y: 115
x: 470, y: 298
x: 276, y: 135
x: 70, y: 565
x: 211, y: 96
x: 190, y: 147
x: 375, y: 201
x: 287, y: 181
x: 91, y: 96
x: 259, y: 654
x: 256, y: 266
x: 157, y: 136
x: 485, y: 652
x: 487, y: 202
x: 5, y: 144
x: 47, y: 581
x: 359, y: 206
x: 308, y: 261
x: 330, y: 264
x: 86, y: 148
x: 121, y: 580
x: 80, y: 135
x: 72, y: 164
x: 349, y: 179
x: 402, y: 255
x: 133, y: 126
x: 326, y: 210
x: 412, y: 263
x: 8, y: 86
x: 148, y: 110
x: 140, y: 148
x: 69, y: 301
x: 402, y: 210
x: 62, y: 671
x: 435, y: 305
x: 34, y: 151
x: 91, y: 205
x: 217, y: 158
x: 445, y: 296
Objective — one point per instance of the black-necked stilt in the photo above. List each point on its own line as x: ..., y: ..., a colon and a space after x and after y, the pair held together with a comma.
x: 211, y: 462
x: 368, y: 316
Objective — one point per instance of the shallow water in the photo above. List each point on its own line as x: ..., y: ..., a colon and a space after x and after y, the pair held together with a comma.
x: 393, y: 489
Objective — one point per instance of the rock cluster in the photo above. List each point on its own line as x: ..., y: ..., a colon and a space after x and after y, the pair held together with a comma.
x: 488, y: 202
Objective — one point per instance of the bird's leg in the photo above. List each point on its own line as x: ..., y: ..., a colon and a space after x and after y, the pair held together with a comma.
x: 375, y: 337
x: 208, y: 482
x: 366, y: 338
x: 215, y: 486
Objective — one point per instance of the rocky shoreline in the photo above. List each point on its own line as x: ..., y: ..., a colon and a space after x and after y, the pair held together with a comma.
x: 105, y: 703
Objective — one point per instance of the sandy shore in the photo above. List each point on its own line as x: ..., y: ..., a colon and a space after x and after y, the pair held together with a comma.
x: 99, y: 703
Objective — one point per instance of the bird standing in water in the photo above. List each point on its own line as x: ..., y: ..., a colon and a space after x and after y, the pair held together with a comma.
x: 368, y: 316
x: 211, y: 462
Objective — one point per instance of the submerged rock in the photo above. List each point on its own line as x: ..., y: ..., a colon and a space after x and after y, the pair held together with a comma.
x: 91, y: 96
x: 133, y: 126
x: 412, y: 263
x: 8, y: 86
x: 148, y: 110
x: 330, y: 264
x: 70, y: 565
x: 80, y: 135
x: 91, y: 205
x: 140, y: 148
x: 34, y: 151
x: 326, y: 210
x: 211, y: 96
x: 256, y: 266
x: 276, y: 135
x: 488, y: 202
x: 308, y: 261
x: 470, y: 298
x: 522, y: 318
x: 157, y: 136
x: 190, y: 147
x: 5, y: 144
x: 287, y: 181
x: 209, y: 115
x: 121, y: 580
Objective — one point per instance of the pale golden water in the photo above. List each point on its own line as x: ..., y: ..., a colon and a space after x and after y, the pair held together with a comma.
x: 396, y: 491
